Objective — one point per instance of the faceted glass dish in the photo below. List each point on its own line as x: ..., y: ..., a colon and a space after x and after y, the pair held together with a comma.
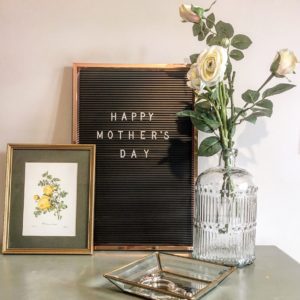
x: 169, y: 277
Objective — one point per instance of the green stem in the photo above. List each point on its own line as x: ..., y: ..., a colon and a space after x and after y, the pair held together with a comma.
x: 266, y: 82
x: 224, y: 112
x: 232, y: 106
x: 231, y: 81
x: 208, y: 9
x: 245, y: 106
x: 221, y: 116
x: 245, y: 110
x: 221, y: 130
x: 223, y: 105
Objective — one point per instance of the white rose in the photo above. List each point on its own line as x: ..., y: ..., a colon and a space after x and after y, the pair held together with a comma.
x: 212, y: 64
x: 287, y: 62
x: 186, y: 13
x: 193, y: 77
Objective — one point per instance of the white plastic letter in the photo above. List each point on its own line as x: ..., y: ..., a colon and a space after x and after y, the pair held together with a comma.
x: 146, y: 152
x: 110, y: 135
x: 122, y: 153
x: 150, y: 116
x: 133, y: 155
x: 124, y: 117
x: 113, y: 116
x: 99, y: 135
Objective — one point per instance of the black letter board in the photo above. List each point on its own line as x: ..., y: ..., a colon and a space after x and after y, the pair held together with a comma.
x: 145, y: 162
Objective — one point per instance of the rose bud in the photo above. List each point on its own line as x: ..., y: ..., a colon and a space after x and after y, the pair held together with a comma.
x: 187, y: 15
x: 284, y: 63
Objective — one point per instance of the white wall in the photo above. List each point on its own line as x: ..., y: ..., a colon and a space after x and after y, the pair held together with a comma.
x: 41, y: 39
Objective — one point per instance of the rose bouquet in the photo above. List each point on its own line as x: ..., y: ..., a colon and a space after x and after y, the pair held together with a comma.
x: 225, y: 200
x: 212, y: 77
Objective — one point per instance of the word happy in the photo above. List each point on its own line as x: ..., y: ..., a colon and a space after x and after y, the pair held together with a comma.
x: 132, y: 134
x: 142, y: 116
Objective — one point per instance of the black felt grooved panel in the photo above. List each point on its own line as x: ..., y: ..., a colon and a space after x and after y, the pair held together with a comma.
x: 144, y: 164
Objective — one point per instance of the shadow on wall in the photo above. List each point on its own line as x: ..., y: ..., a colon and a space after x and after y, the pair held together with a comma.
x: 246, y: 139
x: 251, y: 136
x: 180, y: 151
x: 62, y: 132
x: 2, y: 190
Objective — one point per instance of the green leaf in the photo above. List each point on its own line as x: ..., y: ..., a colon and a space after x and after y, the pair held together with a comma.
x: 215, y: 40
x: 194, y: 57
x: 202, y: 96
x: 197, y: 28
x: 250, y: 96
x: 202, y: 106
x: 236, y: 54
x: 209, y: 146
x: 265, y: 103
x: 202, y: 121
x: 241, y: 41
x: 215, y: 94
x: 224, y: 29
x: 210, y: 20
x: 251, y: 118
x: 209, y: 119
x: 239, y: 110
x: 278, y: 89
x: 233, y: 130
x: 202, y: 35
x: 185, y: 113
x: 259, y: 112
x: 201, y: 125
x: 205, y: 123
x: 208, y: 40
x: 200, y: 30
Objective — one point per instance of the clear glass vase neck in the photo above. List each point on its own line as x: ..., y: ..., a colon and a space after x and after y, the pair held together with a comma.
x: 228, y: 158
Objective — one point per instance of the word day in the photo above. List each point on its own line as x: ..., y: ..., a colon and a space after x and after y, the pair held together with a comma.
x: 133, y: 153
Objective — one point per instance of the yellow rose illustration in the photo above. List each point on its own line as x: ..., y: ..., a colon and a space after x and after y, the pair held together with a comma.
x: 44, y: 203
x: 48, y: 190
x: 52, y: 200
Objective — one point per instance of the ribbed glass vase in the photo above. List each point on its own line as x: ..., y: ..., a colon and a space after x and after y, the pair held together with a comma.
x: 225, y: 214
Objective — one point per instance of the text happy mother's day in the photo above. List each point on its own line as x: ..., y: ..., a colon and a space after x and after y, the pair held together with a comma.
x: 124, y: 117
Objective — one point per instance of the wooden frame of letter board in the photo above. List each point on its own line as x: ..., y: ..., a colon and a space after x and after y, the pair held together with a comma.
x: 176, y: 70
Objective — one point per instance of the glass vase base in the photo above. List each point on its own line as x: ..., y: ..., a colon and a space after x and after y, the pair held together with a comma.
x: 236, y: 262
x: 232, y: 248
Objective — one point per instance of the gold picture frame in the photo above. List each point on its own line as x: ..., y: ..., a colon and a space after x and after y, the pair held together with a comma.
x: 78, y: 68
x: 58, y: 218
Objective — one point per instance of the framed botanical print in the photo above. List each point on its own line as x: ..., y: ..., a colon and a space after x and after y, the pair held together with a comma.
x: 49, y: 199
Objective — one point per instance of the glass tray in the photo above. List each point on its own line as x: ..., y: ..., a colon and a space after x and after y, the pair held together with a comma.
x: 169, y: 277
